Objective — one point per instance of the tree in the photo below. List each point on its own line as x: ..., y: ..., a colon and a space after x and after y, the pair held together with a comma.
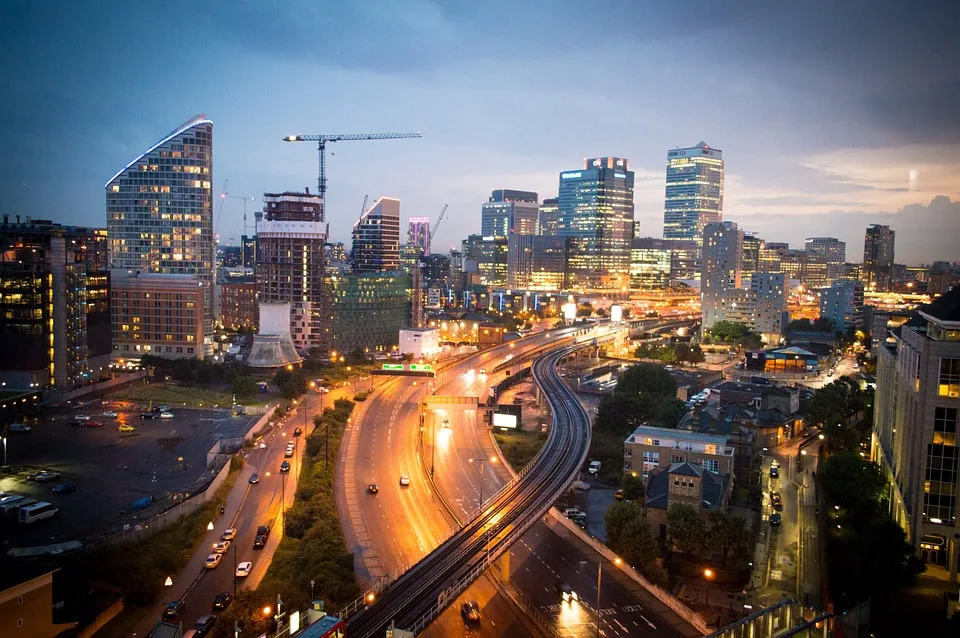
x: 616, y: 519
x: 851, y: 481
x: 633, y: 488
x: 646, y: 378
x: 244, y: 389
x: 584, y: 310
x: 637, y: 544
x: 696, y: 355
x: 727, y: 535
x: 728, y: 331
x: 685, y: 527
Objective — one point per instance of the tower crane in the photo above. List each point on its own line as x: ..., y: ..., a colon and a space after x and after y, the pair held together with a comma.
x: 323, y: 139
x: 443, y: 212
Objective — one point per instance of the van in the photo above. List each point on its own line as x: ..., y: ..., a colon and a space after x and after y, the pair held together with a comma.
x: 594, y: 467
x: 574, y: 514
x: 11, y: 504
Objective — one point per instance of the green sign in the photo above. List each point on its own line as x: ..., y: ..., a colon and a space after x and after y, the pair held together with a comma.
x: 421, y: 367
x: 393, y: 366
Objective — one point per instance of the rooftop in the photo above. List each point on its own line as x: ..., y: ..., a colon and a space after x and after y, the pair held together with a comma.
x: 658, y: 484
x: 686, y: 435
x: 946, y: 309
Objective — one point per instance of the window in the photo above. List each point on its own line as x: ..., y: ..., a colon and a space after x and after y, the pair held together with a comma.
x: 945, y: 426
x: 677, y: 458
x: 949, y: 385
x: 710, y: 464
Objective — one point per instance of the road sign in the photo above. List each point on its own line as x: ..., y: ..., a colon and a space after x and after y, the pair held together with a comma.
x: 421, y: 367
x: 393, y: 366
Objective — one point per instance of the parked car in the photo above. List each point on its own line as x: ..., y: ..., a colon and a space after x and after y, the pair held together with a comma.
x: 213, y: 560
x: 285, y: 466
x: 46, y: 477
x: 619, y: 495
x: 81, y: 417
x: 372, y: 488
x: 125, y: 428
x: 166, y: 415
x: 254, y: 478
x: 260, y: 540
x: 149, y: 415
x: 93, y: 424
x: 776, y: 500
x: 174, y: 609
x: 404, y: 481
x: 64, y: 488
x: 229, y: 534
x: 470, y: 611
x: 204, y: 624
x: 243, y: 569
x: 775, y: 518
x: 222, y: 600
x: 110, y: 414
x: 20, y: 427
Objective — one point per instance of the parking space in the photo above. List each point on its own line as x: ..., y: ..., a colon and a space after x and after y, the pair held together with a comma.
x: 159, y: 459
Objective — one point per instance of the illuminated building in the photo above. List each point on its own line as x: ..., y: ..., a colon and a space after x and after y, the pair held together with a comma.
x: 877, y: 257
x: 751, y: 253
x: 376, y: 237
x: 157, y: 314
x: 831, y: 251
x: 418, y: 233
x: 721, y: 271
x: 160, y: 213
x: 536, y: 262
x: 842, y: 303
x: 54, y: 305
x: 485, y: 261
x: 291, y: 261
x: 509, y: 211
x: 367, y: 310
x: 596, y: 215
x: 238, y: 305
x: 650, y: 264
x: 549, y: 216
x: 248, y: 250
x: 694, y: 192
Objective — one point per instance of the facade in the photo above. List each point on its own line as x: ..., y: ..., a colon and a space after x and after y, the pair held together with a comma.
x: 291, y: 261
x: 877, y: 270
x: 650, y: 448
x: 420, y: 343
x: 159, y: 315
x: 751, y: 253
x: 27, y: 602
x: 509, y: 211
x: 721, y: 271
x: 536, y: 262
x: 376, y: 238
x: 418, y: 233
x: 54, y: 305
x: 684, y: 260
x: 770, y: 293
x: 915, y: 428
x: 436, y: 271
x: 650, y: 264
x: 549, y: 216
x: 248, y: 251
x: 485, y: 261
x: 160, y: 213
x: 684, y: 482
x: 238, y: 305
x: 694, y: 192
x: 831, y: 251
x: 596, y: 215
x: 842, y: 303
x: 367, y: 311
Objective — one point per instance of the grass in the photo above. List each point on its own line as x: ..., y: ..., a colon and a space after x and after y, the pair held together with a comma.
x: 177, y: 395
x: 519, y: 447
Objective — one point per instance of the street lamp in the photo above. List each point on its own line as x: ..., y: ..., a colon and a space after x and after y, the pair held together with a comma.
x: 482, y: 460
x: 615, y: 561
x: 4, y: 450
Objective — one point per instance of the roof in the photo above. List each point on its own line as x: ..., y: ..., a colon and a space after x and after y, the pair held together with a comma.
x: 711, y: 496
x: 652, y: 431
x: 17, y: 572
x: 795, y: 350
x: 196, y: 120
x: 946, y: 309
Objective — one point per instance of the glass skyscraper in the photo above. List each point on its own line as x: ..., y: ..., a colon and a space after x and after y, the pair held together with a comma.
x: 376, y: 237
x: 595, y: 211
x: 160, y: 211
x: 694, y: 193
x: 509, y: 211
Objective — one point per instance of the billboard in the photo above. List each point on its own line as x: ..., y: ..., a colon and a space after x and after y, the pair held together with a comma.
x: 616, y: 313
x: 569, y: 311
x: 505, y: 421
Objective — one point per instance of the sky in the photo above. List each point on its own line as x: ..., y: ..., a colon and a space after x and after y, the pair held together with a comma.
x: 831, y: 116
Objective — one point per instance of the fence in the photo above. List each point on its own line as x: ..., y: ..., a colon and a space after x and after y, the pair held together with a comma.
x: 96, y: 387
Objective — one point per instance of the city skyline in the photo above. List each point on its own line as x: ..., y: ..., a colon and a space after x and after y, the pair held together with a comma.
x: 814, y: 143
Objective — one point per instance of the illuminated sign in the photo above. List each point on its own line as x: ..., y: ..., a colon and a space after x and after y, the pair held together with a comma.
x: 569, y: 311
x: 571, y: 175
x: 504, y: 420
x: 616, y: 313
x: 619, y: 162
x: 393, y: 366
x: 421, y: 367
x: 620, y: 175
x: 596, y: 162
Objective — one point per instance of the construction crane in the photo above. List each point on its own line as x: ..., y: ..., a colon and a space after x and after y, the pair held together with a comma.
x: 363, y: 208
x: 322, y: 141
x: 443, y: 212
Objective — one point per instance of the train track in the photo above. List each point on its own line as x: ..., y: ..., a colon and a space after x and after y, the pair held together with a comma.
x: 426, y: 589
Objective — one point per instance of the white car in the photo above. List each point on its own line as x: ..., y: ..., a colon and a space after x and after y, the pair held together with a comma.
x: 81, y: 417
x: 110, y: 413
x: 19, y: 427
x: 166, y: 415
x: 213, y: 560
x: 405, y: 481
x: 243, y: 569
x: 221, y: 547
x: 229, y: 534
x: 46, y: 477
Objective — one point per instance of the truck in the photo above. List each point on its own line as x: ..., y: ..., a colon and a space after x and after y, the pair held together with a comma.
x: 594, y: 467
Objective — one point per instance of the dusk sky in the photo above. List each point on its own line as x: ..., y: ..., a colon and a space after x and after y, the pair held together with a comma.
x: 831, y: 116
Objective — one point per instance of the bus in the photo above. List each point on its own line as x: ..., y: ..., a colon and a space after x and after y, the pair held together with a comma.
x: 37, y: 512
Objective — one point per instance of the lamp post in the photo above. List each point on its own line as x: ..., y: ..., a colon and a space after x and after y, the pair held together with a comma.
x: 482, y: 460
x: 615, y: 561
x: 4, y: 450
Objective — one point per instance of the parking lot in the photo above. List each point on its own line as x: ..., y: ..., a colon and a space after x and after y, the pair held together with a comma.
x: 159, y: 459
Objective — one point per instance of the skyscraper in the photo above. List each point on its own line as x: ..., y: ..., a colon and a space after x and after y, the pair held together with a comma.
x: 509, y: 211
x: 536, y: 262
x: 751, y: 253
x: 160, y: 212
x: 877, y: 257
x: 722, y: 254
x: 596, y: 214
x: 291, y: 240
x: 376, y: 238
x: 418, y: 233
x: 549, y: 214
x: 831, y: 251
x: 650, y: 262
x: 694, y: 193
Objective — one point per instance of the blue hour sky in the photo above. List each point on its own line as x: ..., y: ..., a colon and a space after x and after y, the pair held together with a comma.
x: 831, y: 116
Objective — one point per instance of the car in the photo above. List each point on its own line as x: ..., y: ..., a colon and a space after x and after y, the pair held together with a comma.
x: 173, y: 609
x: 297, y: 431
x: 162, y: 408
x: 125, y: 428
x: 166, y: 415
x: 110, y: 414
x: 285, y: 466
x: 229, y: 534
x: 93, y: 424
x: 775, y: 518
x: 776, y: 500
x: 288, y: 452
x: 64, y: 488
x: 204, y: 624
x: 243, y: 569
x: 829, y: 373
x: 372, y: 488
x: 574, y: 514
x: 222, y: 600
x: 254, y: 478
x: 774, y: 472
x: 221, y: 547
x: 619, y: 495
x: 260, y: 540
x: 483, y: 371
x: 212, y: 561
x: 81, y: 417
x: 149, y: 415
x: 470, y: 611
x: 775, y: 463
x: 20, y: 427
x: 566, y: 592
x: 404, y: 481
x: 46, y: 477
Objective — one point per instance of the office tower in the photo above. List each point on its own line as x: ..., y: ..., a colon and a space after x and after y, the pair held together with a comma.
x: 684, y: 260
x: 771, y: 256
x: 596, y: 215
x: 418, y: 233
x: 722, y: 251
x: 751, y: 253
x: 877, y: 258
x: 650, y: 264
x: 248, y: 250
x: 157, y: 314
x: 694, y: 193
x: 54, y: 305
x: 549, y: 216
x: 509, y: 211
x: 769, y: 291
x: 160, y: 213
x: 842, y: 303
x: 367, y: 310
x: 436, y: 271
x: 536, y: 262
x: 915, y: 422
x: 829, y: 249
x: 376, y: 237
x: 485, y: 261
x: 291, y: 240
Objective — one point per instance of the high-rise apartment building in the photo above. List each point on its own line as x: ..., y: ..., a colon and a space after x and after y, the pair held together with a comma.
x: 877, y: 257
x: 536, y: 262
x: 160, y: 213
x: 291, y: 261
x: 915, y: 423
x: 157, y: 314
x: 509, y: 211
x: 694, y: 192
x: 842, y: 303
x: 596, y: 214
x: 376, y: 237
x: 650, y: 264
x: 549, y: 216
x: 721, y: 269
x: 418, y: 233
x: 769, y: 292
x: 54, y: 305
